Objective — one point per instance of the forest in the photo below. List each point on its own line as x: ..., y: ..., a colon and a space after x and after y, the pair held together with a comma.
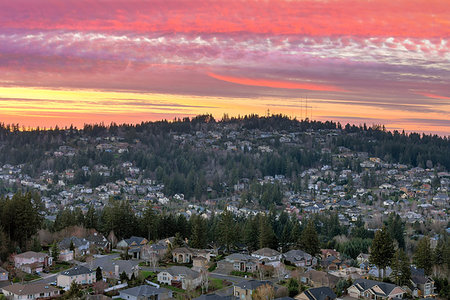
x: 190, y: 169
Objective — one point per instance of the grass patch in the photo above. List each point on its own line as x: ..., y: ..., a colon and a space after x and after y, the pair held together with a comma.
x: 30, y: 277
x: 59, y: 267
x: 241, y: 274
x: 147, y: 274
x: 290, y: 267
x: 217, y: 284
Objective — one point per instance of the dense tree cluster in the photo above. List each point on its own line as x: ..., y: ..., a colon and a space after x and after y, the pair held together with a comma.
x: 20, y: 218
x: 185, y: 169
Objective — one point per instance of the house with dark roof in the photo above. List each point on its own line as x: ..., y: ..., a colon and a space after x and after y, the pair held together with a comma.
x: 246, y: 288
x: 181, y: 277
x: 422, y: 286
x: 300, y: 258
x: 267, y: 254
x: 133, y: 241
x: 321, y: 293
x: 112, y: 268
x: 79, y: 274
x: 133, y: 245
x: 238, y: 262
x: 80, y: 246
x: 371, y: 289
x: 146, y: 292
x: 30, y: 291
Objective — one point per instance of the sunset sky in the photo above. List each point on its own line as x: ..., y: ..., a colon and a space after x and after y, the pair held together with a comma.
x: 85, y: 61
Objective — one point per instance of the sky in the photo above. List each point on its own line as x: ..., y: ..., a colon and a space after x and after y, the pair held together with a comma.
x: 126, y: 61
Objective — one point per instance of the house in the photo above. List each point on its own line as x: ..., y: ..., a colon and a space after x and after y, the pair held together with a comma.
x: 238, y: 262
x: 422, y: 286
x: 182, y: 255
x: 267, y: 253
x: 371, y: 289
x: 375, y: 272
x: 3, y: 274
x: 268, y: 256
x: 246, y: 288
x: 321, y: 293
x: 362, y: 258
x: 199, y: 263
x: 113, y: 268
x: 30, y: 262
x: 80, y: 247
x: 319, y: 278
x: 79, y: 274
x: 30, y: 291
x: 180, y: 276
x: 331, y: 263
x: 66, y: 255
x: 329, y: 252
x: 300, y: 258
x: 154, y: 250
x: 99, y: 241
x: 133, y: 241
x: 146, y: 292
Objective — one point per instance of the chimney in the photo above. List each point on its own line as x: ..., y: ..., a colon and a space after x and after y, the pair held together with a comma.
x: 116, y: 270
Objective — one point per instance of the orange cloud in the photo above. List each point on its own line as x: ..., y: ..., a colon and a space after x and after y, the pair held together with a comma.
x: 434, y: 96
x: 277, y: 84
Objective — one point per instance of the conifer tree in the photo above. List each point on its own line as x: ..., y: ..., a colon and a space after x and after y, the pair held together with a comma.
x: 382, y: 250
x: 423, y: 255
x: 227, y: 229
x: 309, y: 240
x: 401, y: 270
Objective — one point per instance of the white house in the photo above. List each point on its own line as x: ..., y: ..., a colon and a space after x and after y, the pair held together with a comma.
x: 180, y: 276
x: 79, y: 274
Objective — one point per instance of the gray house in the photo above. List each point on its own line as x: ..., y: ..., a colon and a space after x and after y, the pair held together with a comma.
x: 300, y: 258
x: 146, y: 292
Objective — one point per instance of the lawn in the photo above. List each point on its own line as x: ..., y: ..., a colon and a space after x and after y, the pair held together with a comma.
x: 147, y: 274
x: 30, y: 277
x: 217, y: 284
x: 241, y: 274
x: 59, y: 267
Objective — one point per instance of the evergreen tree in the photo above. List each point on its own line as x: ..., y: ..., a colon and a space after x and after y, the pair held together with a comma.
x: 199, y: 232
x: 123, y: 277
x: 227, y: 230
x: 396, y: 228
x: 423, y: 255
x: 36, y: 246
x: 309, y: 240
x: 401, y: 270
x: 266, y: 235
x: 55, y: 251
x: 382, y: 249
x: 293, y: 287
x: 98, y: 274
x: 251, y: 233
